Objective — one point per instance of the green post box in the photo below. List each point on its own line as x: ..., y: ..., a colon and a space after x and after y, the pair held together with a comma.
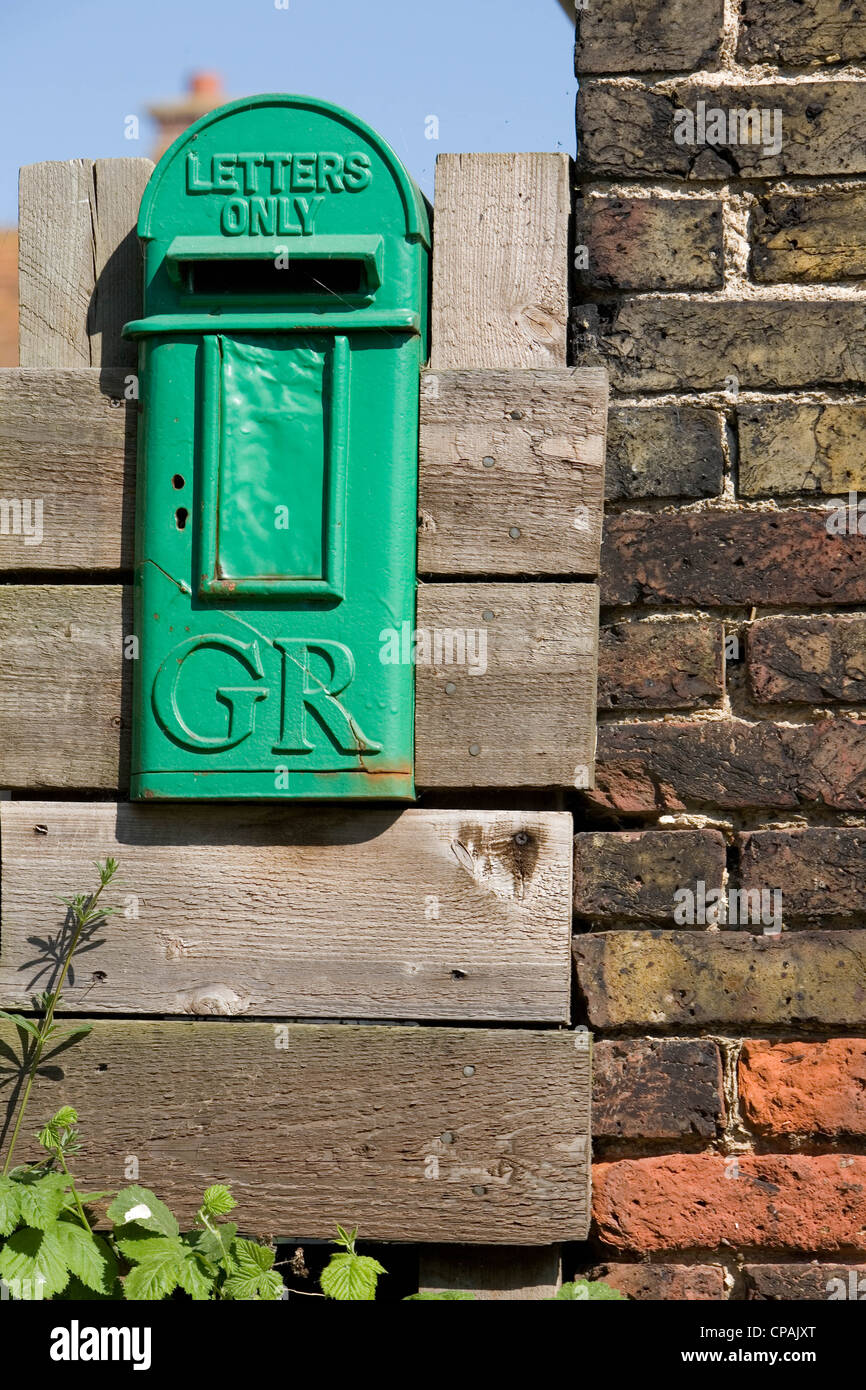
x: 286, y: 293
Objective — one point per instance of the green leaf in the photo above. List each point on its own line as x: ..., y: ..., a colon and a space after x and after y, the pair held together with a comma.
x: 41, y: 1199
x: 154, y: 1279
x: 137, y: 1243
x: 20, y: 1022
x: 451, y: 1295
x: 80, y: 1032
x: 10, y: 1205
x: 252, y: 1276
x: 208, y: 1244
x: 76, y: 1292
x: 32, y: 1263
x: 87, y: 1255
x: 350, y: 1277
x: 195, y: 1278
x: 583, y: 1289
x: 218, y: 1201
x: 139, y: 1204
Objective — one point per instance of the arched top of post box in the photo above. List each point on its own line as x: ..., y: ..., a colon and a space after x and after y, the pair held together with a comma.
x: 276, y: 147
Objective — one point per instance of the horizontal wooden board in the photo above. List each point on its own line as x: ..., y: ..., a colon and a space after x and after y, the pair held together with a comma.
x: 527, y: 719
x: 511, y: 470
x: 331, y: 912
x: 67, y: 443
x: 412, y: 1134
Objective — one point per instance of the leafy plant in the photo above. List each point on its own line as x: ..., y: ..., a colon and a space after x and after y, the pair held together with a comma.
x: 48, y: 1245
x: 348, y: 1276
x: 584, y: 1289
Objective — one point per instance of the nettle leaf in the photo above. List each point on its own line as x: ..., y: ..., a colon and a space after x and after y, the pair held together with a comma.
x: 586, y: 1289
x: 449, y: 1295
x: 139, y: 1204
x: 41, y: 1198
x: 10, y: 1205
x: 137, y: 1243
x: 32, y: 1263
x: 218, y: 1201
x: 252, y: 1277
x: 194, y: 1277
x: 76, y: 1292
x: 87, y: 1255
x: 208, y: 1244
x: 154, y: 1279
x: 350, y: 1277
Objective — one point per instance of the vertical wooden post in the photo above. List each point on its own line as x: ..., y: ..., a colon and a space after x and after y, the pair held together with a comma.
x: 500, y: 299
x: 79, y: 263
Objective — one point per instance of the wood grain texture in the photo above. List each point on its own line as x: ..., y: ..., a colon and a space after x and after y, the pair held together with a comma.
x: 529, y: 719
x: 336, y: 912
x: 56, y: 271
x: 118, y: 187
x: 79, y: 261
x: 511, y: 471
x: 65, y: 686
x: 413, y: 1134
x: 500, y: 451
x: 68, y: 439
x: 500, y: 260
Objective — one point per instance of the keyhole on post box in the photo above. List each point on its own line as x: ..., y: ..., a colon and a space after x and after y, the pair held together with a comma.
x: 178, y: 482
x: 180, y: 517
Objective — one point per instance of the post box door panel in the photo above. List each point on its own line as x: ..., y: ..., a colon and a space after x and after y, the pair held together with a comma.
x: 274, y: 431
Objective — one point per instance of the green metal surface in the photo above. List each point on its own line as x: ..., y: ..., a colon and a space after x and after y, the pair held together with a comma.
x: 286, y: 272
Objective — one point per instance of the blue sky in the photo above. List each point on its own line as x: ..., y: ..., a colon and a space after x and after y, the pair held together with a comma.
x: 497, y: 73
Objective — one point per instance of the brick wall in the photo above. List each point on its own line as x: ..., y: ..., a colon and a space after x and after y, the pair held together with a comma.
x: 723, y: 287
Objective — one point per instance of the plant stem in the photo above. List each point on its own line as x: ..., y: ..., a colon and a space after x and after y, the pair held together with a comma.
x: 83, y: 915
x: 78, y: 1207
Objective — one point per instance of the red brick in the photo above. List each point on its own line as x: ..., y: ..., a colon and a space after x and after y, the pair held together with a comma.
x: 664, y: 1282
x: 675, y: 664
x: 808, y: 660
x: 632, y: 875
x: 783, y: 1283
x: 804, y: 1088
x: 813, y: 1204
x: 650, y: 243
x: 656, y: 1088
x: 726, y: 557
x: 821, y: 871
x: 673, y: 765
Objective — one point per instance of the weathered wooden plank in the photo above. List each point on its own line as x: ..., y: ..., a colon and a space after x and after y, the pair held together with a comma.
x: 510, y: 474
x: 67, y: 443
x: 500, y: 260
x: 79, y: 261
x: 493, y: 1273
x: 527, y: 720
x: 518, y: 710
x: 118, y: 187
x: 511, y: 471
x: 56, y: 274
x: 313, y: 912
x: 65, y: 688
x: 413, y: 1134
